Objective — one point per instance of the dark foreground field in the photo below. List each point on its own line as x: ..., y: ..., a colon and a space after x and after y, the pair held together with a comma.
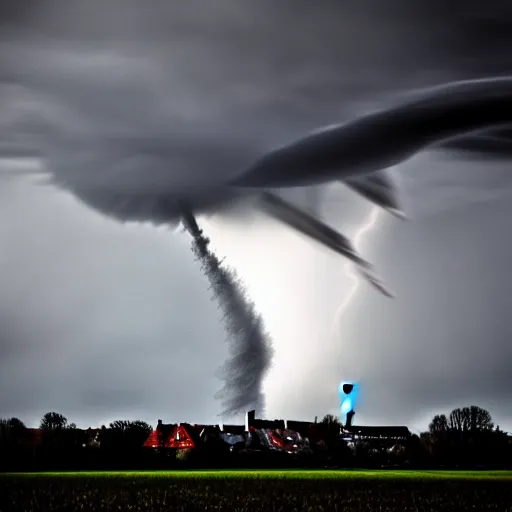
x: 258, y: 490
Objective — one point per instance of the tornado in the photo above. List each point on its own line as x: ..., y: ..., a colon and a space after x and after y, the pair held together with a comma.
x: 250, y: 346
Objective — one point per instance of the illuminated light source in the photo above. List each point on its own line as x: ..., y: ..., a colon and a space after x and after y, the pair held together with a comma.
x: 346, y: 406
x: 348, y: 392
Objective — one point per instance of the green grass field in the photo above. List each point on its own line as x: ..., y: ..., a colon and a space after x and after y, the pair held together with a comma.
x: 277, y: 473
x: 351, y: 490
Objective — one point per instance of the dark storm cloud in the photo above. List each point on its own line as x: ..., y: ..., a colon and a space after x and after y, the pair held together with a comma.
x: 494, y: 145
x: 200, y: 89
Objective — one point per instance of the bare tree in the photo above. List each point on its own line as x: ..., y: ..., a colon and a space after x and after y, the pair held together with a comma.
x: 479, y: 419
x: 456, y: 420
x: 470, y: 419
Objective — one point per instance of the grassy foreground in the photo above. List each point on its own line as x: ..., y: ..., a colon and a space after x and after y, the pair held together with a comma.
x: 258, y: 490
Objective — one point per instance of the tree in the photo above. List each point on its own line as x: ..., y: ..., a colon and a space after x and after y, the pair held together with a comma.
x: 462, y: 438
x: 426, y: 442
x: 456, y: 420
x: 131, y: 425
x: 130, y: 434
x: 470, y: 419
x: 16, y: 424
x: 11, y: 430
x: 11, y: 425
x: 52, y: 421
x: 437, y: 440
x: 330, y: 420
x: 143, y: 426
x: 439, y: 425
x: 332, y: 428
x: 479, y: 419
x: 120, y: 425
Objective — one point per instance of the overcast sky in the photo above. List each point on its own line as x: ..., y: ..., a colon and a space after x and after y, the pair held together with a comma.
x: 103, y: 321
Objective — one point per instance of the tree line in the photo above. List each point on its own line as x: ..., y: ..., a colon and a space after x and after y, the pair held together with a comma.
x: 466, y: 438
x: 59, y: 444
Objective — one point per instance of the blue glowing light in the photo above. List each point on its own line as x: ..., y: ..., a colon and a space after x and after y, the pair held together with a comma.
x: 348, y: 392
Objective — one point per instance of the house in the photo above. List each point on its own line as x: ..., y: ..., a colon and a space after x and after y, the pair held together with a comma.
x: 175, y: 436
x: 290, y: 436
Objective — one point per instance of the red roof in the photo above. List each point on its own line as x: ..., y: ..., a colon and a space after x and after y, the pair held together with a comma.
x: 179, y: 439
x: 153, y: 440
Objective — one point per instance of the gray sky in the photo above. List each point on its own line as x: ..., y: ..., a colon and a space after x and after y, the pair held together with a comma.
x: 102, y: 321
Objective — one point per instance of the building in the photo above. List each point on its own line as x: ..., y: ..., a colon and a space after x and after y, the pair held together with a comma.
x: 289, y: 436
x: 377, y: 433
x: 175, y: 436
